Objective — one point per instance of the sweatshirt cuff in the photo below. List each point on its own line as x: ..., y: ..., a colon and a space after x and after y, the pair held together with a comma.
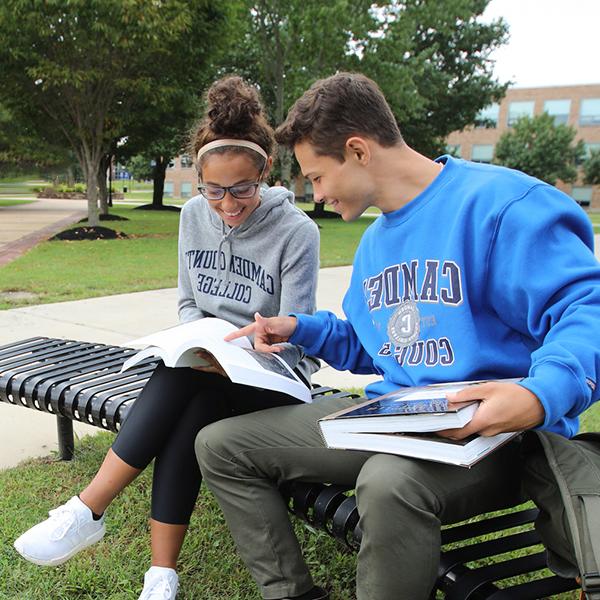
x: 308, y: 329
x: 556, y: 388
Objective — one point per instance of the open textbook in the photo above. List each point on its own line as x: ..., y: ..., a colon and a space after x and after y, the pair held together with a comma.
x: 404, y: 421
x: 177, y: 347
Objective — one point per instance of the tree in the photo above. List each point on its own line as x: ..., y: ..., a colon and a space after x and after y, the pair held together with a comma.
x: 540, y: 148
x: 23, y: 149
x: 591, y: 168
x: 285, y: 45
x: 140, y: 167
x: 431, y: 60
x: 89, y: 65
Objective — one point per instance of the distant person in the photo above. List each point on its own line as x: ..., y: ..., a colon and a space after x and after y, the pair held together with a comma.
x: 471, y: 272
x: 243, y: 247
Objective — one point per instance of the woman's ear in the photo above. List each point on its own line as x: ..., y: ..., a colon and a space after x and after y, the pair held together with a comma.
x: 267, y: 169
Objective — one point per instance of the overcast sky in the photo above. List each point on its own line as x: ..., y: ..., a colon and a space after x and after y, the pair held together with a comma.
x: 552, y: 42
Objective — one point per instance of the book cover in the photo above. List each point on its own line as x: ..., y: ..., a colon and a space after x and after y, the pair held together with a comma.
x: 409, y: 409
x: 178, y: 347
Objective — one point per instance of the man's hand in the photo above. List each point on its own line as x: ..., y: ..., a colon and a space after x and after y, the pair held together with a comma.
x: 267, y: 331
x: 213, y: 366
x: 503, y: 407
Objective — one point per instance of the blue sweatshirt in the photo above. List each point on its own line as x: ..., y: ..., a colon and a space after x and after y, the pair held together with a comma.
x: 488, y: 273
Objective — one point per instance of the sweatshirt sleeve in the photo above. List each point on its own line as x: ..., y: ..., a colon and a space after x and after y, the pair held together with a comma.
x: 186, y: 303
x: 299, y: 276
x: 544, y: 282
x: 334, y: 340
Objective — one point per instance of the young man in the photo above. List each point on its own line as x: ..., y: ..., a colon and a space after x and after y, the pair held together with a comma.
x: 471, y: 272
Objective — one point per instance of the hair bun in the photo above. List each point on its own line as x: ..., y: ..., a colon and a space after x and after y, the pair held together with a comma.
x: 232, y: 106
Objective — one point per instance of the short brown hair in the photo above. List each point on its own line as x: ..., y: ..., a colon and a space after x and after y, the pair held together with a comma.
x: 337, y: 108
x: 234, y: 110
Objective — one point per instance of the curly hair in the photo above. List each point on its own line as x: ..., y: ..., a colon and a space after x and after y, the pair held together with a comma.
x: 233, y: 110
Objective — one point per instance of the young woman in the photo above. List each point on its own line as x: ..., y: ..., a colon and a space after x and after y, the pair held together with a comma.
x: 243, y: 248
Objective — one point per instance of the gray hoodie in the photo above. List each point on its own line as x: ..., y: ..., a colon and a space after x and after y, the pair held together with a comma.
x: 268, y: 264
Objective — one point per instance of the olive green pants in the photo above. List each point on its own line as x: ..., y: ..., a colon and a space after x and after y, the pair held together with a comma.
x: 401, y: 501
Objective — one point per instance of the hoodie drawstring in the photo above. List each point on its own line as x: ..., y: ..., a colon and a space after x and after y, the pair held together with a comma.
x: 224, y: 240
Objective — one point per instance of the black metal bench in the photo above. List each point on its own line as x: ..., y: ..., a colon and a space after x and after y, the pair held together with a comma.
x: 78, y: 381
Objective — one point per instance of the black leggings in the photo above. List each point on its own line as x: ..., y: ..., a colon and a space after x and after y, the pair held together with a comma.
x: 163, y: 424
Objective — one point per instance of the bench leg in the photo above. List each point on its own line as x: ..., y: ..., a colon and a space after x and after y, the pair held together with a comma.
x: 66, y: 440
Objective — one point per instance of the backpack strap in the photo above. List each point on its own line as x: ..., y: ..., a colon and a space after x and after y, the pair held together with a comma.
x: 581, y: 509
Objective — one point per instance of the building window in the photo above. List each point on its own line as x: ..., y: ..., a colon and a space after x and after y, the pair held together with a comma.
x: 171, y: 164
x: 168, y: 191
x: 482, y: 153
x: 589, y: 113
x: 516, y: 110
x: 582, y: 194
x: 559, y: 109
x: 186, y: 189
x: 186, y: 161
x: 488, y: 116
x: 453, y: 150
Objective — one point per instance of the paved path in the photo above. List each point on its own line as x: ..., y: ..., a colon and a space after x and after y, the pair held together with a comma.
x: 24, y: 225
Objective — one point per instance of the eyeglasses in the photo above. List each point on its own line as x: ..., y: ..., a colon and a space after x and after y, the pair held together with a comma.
x: 241, y: 191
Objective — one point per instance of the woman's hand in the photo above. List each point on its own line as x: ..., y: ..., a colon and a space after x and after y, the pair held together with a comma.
x: 213, y: 366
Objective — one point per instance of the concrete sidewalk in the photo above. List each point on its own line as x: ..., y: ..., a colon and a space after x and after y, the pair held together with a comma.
x: 115, y: 320
x: 24, y: 225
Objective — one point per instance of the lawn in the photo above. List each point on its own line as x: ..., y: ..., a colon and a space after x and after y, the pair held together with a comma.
x: 13, y: 202
x: 113, y: 569
x: 60, y: 271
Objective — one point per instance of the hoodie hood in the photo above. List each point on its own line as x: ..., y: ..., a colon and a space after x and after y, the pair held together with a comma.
x: 273, y: 200
x: 268, y: 264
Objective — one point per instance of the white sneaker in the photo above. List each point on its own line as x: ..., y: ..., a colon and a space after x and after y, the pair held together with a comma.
x: 70, y: 528
x: 160, y: 583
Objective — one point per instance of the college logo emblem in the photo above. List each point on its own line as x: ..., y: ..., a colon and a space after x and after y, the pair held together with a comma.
x: 404, y: 325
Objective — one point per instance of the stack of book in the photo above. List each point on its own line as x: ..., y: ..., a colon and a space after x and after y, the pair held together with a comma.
x: 405, y: 422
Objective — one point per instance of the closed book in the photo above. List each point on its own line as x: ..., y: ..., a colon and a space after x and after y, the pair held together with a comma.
x: 463, y: 453
x: 406, y: 409
x: 404, y: 422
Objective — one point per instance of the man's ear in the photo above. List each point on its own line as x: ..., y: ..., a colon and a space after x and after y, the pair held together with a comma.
x: 357, y: 148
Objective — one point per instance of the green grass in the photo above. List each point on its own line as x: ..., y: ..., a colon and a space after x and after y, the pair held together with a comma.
x: 59, y: 271
x: 113, y: 569
x: 13, y: 202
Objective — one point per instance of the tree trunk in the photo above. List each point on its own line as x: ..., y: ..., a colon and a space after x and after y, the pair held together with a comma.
x: 319, y: 209
x: 158, y: 179
x: 102, y: 187
x: 70, y: 176
x: 91, y: 179
x: 285, y: 157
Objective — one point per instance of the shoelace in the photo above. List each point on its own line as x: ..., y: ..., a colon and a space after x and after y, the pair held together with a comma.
x: 62, y: 519
x: 160, y: 589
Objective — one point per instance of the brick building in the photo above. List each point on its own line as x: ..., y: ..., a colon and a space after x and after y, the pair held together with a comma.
x: 577, y: 105
x: 181, y: 178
